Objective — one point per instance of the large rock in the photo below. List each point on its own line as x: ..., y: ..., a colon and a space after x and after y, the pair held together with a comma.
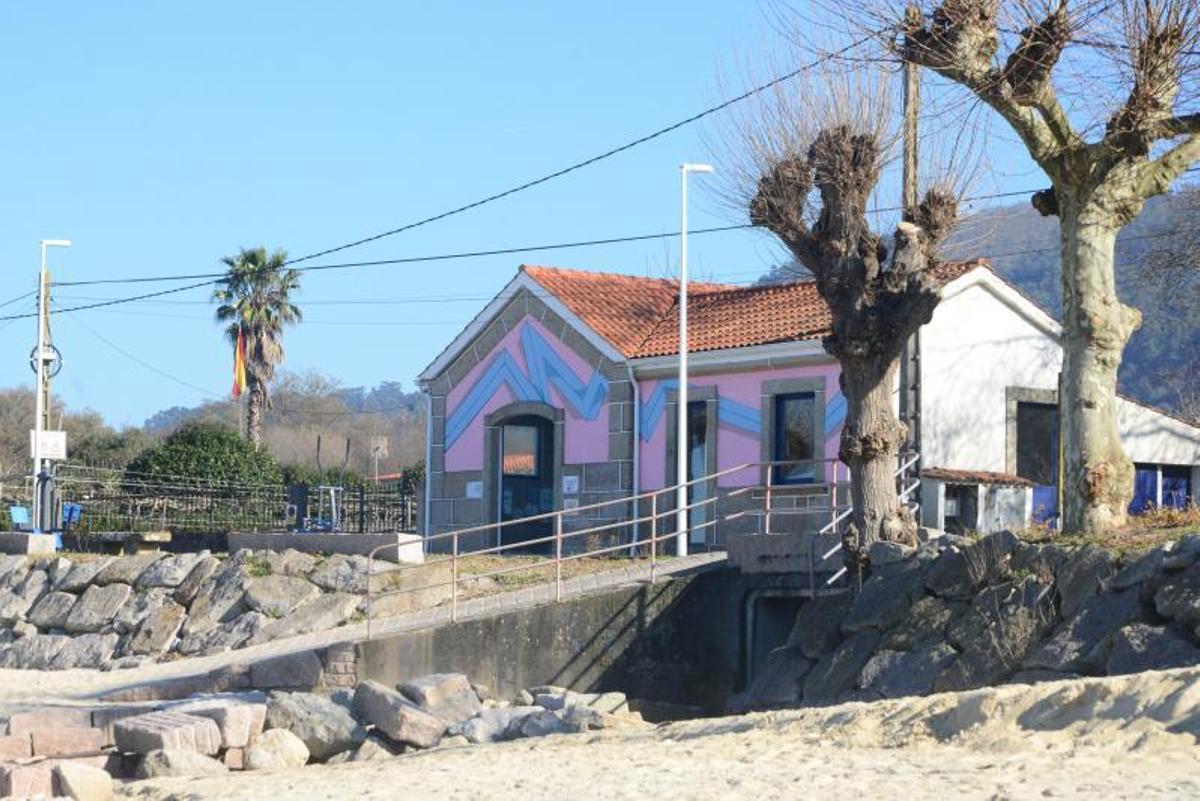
x: 12, y: 569
x: 291, y: 562
x: 448, y: 696
x: 239, y: 721
x: 924, y: 624
x: 1141, y: 570
x: 86, y: 651
x: 201, y: 572
x: 341, y: 573
x: 225, y: 637
x: 1081, y: 577
x: 158, y: 631
x: 838, y: 671
x: 539, y: 724
x: 277, y: 595
x: 178, y: 762
x: 35, y: 652
x: 219, y: 599
x: 141, y: 605
x: 81, y: 575
x: 127, y: 569
x: 168, y: 572
x: 1081, y: 645
x: 13, y: 607
x: 97, y: 607
x: 961, y: 572
x: 396, y: 716
x: 995, y: 635
x: 777, y: 685
x: 894, y: 674
x: 50, y: 612
x: 326, y: 727
x: 276, y: 749
x: 157, y: 731
x: 1183, y: 554
x: 818, y: 627
x: 325, y: 612
x: 35, y: 584
x: 1179, y: 597
x: 370, y: 750
x: 886, y: 597
x: 81, y: 782
x: 1143, y: 647
x: 492, y: 725
x: 301, y: 670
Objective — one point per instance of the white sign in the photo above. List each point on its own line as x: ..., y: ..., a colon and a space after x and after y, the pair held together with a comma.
x: 52, y: 445
x: 474, y: 489
x: 570, y: 485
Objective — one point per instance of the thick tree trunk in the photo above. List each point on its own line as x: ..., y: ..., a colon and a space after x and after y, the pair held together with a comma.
x: 254, y: 409
x: 870, y: 441
x: 1097, y: 475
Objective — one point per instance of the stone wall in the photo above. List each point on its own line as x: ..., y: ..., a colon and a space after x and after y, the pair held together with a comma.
x: 968, y: 614
x: 112, y: 612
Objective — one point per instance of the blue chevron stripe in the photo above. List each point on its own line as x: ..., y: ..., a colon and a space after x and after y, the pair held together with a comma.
x: 654, y: 406
x: 740, y: 416
x: 546, y: 367
x: 835, y: 413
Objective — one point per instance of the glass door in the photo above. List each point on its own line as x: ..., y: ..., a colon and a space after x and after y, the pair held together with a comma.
x: 697, y: 452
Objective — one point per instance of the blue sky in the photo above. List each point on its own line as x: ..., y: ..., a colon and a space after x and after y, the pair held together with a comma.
x: 159, y: 137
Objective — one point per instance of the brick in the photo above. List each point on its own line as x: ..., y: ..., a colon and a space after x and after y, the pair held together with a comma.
x: 25, y: 781
x: 167, y: 730
x: 14, y: 746
x: 67, y: 741
x: 234, y: 758
x: 25, y: 723
x: 238, y: 721
x: 104, y: 718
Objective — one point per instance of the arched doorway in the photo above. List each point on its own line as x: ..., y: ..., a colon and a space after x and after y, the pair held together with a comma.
x: 524, y: 459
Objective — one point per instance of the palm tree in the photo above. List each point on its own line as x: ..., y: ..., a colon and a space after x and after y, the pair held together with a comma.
x: 255, y: 298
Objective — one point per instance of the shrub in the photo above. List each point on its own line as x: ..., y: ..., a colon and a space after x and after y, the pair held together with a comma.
x: 206, y: 451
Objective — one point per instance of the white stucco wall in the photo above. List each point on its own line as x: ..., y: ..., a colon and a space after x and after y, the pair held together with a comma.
x: 985, y: 337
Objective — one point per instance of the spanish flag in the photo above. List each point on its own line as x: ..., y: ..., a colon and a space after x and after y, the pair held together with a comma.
x: 239, y: 365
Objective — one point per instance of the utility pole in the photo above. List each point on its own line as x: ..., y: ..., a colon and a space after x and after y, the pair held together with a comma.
x: 910, y: 361
x: 44, y: 356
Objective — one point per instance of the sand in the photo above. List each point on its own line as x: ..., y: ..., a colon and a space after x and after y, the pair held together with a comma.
x: 1112, y: 738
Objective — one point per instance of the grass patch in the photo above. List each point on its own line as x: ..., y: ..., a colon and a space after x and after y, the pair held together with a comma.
x: 258, y: 566
x: 1148, y: 530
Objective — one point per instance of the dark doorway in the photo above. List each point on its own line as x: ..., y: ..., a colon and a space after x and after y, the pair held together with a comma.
x: 526, y: 479
x: 697, y: 467
x: 772, y: 618
x: 1037, y: 456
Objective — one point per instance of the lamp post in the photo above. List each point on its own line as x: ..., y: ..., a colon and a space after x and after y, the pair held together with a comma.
x: 681, y: 439
x: 41, y: 401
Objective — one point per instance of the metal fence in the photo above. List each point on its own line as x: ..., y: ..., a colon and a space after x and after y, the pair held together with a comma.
x: 96, y: 500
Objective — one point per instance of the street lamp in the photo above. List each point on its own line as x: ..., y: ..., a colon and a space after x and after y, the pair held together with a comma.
x: 681, y: 439
x: 40, y: 399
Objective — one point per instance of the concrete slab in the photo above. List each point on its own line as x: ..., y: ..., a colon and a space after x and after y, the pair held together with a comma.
x: 20, y: 542
x: 404, y: 547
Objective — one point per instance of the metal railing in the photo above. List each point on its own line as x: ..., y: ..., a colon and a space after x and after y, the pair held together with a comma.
x: 806, y: 499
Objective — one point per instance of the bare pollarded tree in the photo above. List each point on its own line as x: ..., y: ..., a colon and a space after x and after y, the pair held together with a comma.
x: 810, y: 160
x: 1105, y: 152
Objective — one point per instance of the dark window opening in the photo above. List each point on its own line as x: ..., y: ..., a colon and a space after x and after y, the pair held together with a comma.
x: 795, y: 437
x: 1177, y: 489
x: 520, y: 450
x: 1037, y: 442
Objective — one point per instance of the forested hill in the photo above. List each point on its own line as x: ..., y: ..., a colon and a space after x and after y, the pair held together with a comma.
x: 1156, y: 272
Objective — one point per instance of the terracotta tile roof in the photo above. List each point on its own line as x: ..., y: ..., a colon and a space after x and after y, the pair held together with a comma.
x: 949, y: 476
x: 640, y: 316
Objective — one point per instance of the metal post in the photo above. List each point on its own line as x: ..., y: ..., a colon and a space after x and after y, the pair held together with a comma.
x: 767, y: 499
x: 653, y: 536
x: 681, y: 428
x: 558, y: 534
x: 454, y: 579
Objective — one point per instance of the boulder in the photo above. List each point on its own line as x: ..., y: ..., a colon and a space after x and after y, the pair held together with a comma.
x: 448, y: 696
x: 86, y: 651
x: 886, y: 597
x: 239, y: 722
x: 35, y: 584
x: 924, y: 624
x: 158, y: 630
x: 291, y: 562
x: 1182, y: 554
x: 1145, y: 568
x: 777, y: 685
x: 1081, y: 645
x: 370, y: 750
x: 201, y: 572
x: 97, y: 607
x: 884, y: 552
x: 324, y: 612
x: 817, y: 630
x: 1179, y: 597
x: 838, y: 671
x: 491, y: 725
x: 541, y: 723
x: 166, y: 730
x: 13, y: 607
x: 341, y: 573
x: 126, y: 569
x: 218, y: 600
x: 81, y: 782
x: 81, y: 575
x: 995, y: 635
x: 225, y: 637
x: 300, y: 670
x: 34, y: 652
x: 325, y: 726
x: 51, y: 610
x: 276, y: 749
x: 277, y: 595
x: 1140, y: 647
x: 168, y: 572
x: 396, y: 716
x: 141, y: 605
x: 1081, y: 577
x: 961, y: 572
x: 178, y: 762
x: 12, y: 569
x: 894, y: 674
x: 610, y: 702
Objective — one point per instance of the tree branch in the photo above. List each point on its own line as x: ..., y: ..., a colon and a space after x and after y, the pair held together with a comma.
x: 1156, y: 177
